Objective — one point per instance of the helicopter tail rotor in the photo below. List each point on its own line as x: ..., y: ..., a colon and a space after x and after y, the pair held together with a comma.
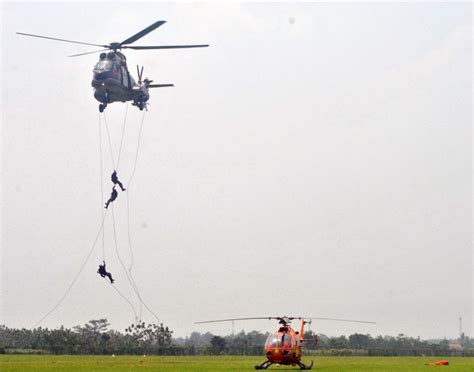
x: 147, y: 82
x: 140, y: 74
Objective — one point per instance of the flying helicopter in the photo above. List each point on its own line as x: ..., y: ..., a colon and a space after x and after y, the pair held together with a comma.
x: 112, y: 80
x: 284, y: 347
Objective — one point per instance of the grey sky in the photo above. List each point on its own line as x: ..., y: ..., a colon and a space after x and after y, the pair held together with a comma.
x: 315, y: 168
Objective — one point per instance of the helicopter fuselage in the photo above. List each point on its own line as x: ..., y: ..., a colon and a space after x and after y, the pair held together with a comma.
x: 283, y: 347
x: 112, y: 81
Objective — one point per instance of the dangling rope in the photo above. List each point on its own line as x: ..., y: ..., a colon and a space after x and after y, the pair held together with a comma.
x: 128, y: 222
x: 117, y: 251
x: 121, y: 140
x: 101, y: 188
x: 129, y: 277
x: 101, y: 229
x: 113, y: 163
x: 125, y: 298
x: 128, y: 274
x: 130, y: 280
x: 122, y: 264
x: 128, y: 185
x: 130, y: 246
x: 128, y: 205
x: 110, y: 142
x: 138, y: 148
x: 77, y: 275
x: 102, y: 192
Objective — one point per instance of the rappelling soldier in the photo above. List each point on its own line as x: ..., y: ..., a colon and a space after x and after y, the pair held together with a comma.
x: 116, y: 181
x: 103, y: 273
x: 113, y: 196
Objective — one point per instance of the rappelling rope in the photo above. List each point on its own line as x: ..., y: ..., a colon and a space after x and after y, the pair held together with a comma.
x: 102, y: 192
x: 118, y: 254
x: 128, y: 221
x: 121, y: 139
x: 110, y: 142
x: 130, y: 248
x: 128, y: 185
x: 125, y: 298
x: 129, y: 274
x: 138, y: 148
x: 77, y: 275
x: 101, y: 229
x: 101, y: 188
x: 123, y: 266
x: 123, y: 132
x: 113, y: 163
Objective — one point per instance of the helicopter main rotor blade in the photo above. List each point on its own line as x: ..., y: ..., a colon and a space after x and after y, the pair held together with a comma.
x: 64, y: 40
x: 142, y: 33
x: 288, y: 318
x: 83, y: 54
x: 166, y: 47
x: 231, y: 320
x: 340, y: 320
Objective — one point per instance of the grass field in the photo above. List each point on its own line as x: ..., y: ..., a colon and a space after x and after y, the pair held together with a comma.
x: 227, y: 363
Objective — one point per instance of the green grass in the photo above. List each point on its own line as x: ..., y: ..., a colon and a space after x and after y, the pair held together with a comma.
x: 224, y: 363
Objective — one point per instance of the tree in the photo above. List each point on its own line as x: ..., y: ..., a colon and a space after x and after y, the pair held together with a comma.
x: 61, y: 341
x: 218, y: 345
x: 338, y: 342
x: 93, y: 337
x: 359, y: 341
x: 151, y: 338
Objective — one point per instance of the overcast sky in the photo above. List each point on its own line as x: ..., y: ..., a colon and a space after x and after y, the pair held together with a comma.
x: 314, y: 161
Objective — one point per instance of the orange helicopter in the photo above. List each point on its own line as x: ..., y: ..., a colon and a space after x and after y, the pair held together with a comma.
x: 283, y: 347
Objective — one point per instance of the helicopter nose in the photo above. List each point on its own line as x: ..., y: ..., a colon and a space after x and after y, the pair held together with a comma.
x: 102, y: 75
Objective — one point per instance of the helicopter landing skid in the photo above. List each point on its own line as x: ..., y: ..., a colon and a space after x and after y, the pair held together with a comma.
x: 264, y: 365
x: 304, y: 366
x: 140, y: 104
x: 102, y: 107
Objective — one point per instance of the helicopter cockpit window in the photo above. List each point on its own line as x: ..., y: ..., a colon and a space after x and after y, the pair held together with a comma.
x: 103, y: 65
x: 273, y: 341
x: 286, y: 340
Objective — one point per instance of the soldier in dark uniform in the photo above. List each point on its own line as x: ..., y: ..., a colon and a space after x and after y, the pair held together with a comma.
x: 116, y: 181
x: 113, y: 196
x: 103, y: 273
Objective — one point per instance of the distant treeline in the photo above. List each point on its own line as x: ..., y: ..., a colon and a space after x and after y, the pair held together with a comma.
x: 95, y: 338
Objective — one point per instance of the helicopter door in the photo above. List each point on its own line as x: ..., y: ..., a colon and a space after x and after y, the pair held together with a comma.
x: 125, y: 77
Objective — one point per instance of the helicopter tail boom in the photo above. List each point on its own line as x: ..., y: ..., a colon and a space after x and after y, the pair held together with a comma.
x: 160, y: 85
